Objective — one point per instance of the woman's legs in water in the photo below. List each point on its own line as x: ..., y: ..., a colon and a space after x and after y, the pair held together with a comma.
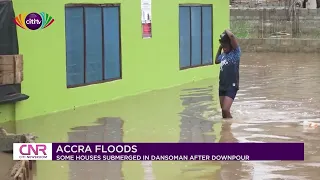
x: 221, y: 98
x: 226, y: 106
x: 226, y: 99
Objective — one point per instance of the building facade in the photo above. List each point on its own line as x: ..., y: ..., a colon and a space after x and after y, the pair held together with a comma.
x: 96, y: 52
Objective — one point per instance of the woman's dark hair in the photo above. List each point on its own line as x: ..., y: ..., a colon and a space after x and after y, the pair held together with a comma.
x: 224, y: 38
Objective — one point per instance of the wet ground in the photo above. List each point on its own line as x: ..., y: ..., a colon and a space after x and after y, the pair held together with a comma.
x: 278, y: 92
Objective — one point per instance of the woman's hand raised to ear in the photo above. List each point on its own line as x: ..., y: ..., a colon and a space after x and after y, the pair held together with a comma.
x: 218, y: 60
x: 234, y: 42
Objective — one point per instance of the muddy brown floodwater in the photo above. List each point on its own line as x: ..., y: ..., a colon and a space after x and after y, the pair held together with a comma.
x: 277, y: 93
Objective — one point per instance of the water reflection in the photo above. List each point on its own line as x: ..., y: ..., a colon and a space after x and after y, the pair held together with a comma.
x: 106, y: 130
x: 232, y: 170
x: 6, y: 163
x: 149, y: 117
x: 194, y: 127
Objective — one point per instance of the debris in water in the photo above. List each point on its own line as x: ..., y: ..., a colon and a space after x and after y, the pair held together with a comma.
x: 21, y: 170
x: 310, y: 124
x: 7, y: 139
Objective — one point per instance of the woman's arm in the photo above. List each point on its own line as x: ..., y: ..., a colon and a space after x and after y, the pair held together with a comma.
x: 234, y: 42
x: 217, y: 61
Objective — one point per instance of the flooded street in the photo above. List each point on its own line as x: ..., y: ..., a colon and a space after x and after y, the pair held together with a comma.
x: 278, y: 92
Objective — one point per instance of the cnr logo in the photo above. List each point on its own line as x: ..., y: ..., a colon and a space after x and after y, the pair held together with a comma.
x: 28, y: 149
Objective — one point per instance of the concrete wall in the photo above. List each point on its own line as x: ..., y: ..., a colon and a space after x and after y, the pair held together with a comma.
x: 280, y: 45
x: 247, y: 23
x: 147, y: 64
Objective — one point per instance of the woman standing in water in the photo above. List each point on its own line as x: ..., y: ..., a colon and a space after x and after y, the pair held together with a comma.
x: 229, y: 61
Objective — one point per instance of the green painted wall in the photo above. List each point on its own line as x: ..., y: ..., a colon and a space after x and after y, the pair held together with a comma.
x: 7, y: 113
x: 147, y: 64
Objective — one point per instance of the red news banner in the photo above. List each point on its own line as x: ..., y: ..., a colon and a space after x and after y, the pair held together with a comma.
x: 159, y: 151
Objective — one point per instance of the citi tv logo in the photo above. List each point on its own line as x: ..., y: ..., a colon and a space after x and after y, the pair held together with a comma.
x: 33, y: 21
